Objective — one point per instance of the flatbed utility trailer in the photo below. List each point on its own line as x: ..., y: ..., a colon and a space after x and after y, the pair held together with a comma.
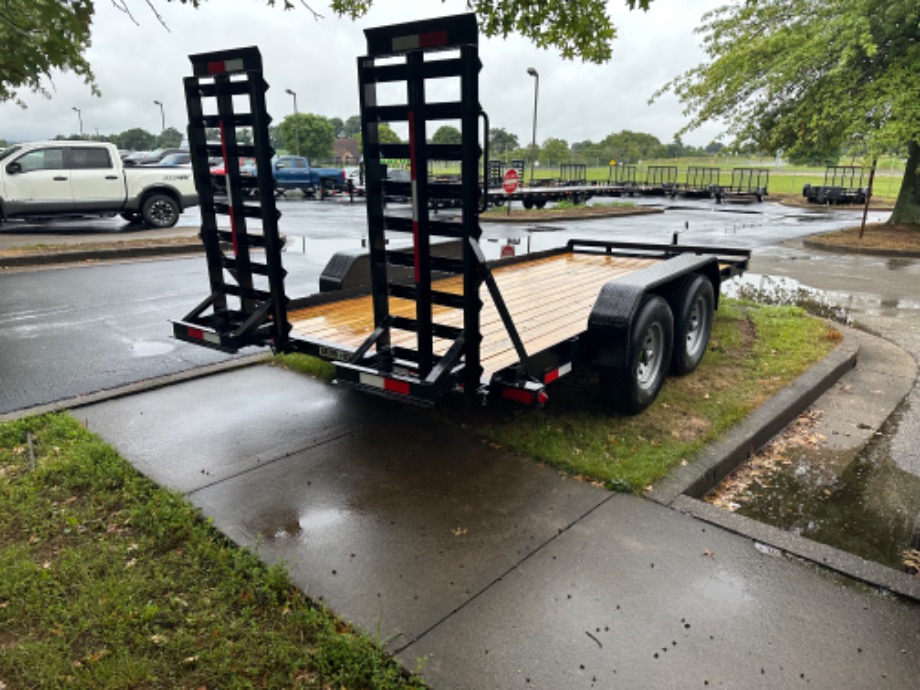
x: 843, y: 184
x: 700, y: 183
x: 747, y: 183
x: 432, y: 323
x: 660, y: 180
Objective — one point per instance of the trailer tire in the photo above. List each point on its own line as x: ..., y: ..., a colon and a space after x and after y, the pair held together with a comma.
x: 160, y: 211
x: 540, y: 203
x: 633, y: 388
x: 693, y: 304
x: 527, y: 202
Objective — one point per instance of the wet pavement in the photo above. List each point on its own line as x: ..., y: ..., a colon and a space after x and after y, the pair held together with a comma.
x: 499, y: 573
x: 494, y: 571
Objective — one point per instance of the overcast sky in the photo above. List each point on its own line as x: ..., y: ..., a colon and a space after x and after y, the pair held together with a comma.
x: 136, y: 65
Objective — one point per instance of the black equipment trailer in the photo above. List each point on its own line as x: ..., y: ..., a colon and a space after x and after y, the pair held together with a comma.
x: 843, y: 184
x: 432, y: 323
x: 747, y: 183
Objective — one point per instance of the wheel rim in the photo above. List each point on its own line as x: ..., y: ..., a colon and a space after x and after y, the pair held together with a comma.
x: 696, y: 326
x: 650, y: 352
x: 161, y: 212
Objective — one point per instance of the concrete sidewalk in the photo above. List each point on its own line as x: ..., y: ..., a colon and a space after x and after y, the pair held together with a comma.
x: 493, y: 570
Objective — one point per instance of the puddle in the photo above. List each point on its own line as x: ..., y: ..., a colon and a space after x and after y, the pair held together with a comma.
x: 860, y: 503
x: 786, y: 291
x: 865, y: 505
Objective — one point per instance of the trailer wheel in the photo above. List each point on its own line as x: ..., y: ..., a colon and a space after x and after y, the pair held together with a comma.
x: 540, y: 203
x: 692, y: 302
x: 160, y: 211
x: 527, y: 202
x: 633, y: 388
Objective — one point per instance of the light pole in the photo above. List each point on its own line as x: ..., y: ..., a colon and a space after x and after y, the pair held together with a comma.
x: 162, y: 116
x: 533, y: 144
x: 296, y: 124
x: 80, y: 118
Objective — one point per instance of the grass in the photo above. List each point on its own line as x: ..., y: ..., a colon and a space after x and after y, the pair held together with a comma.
x: 107, y: 581
x: 755, y: 351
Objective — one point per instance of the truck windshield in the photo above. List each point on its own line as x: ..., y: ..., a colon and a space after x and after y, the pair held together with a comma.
x: 5, y: 153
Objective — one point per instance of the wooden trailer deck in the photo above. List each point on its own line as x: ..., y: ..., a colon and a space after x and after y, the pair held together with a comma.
x: 550, y: 300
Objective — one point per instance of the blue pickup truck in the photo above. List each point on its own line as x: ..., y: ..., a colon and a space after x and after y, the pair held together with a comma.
x: 295, y: 172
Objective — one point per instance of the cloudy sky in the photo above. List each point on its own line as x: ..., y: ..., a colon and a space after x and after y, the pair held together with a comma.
x: 136, y: 65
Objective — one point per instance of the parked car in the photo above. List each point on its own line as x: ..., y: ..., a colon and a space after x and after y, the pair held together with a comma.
x: 355, y: 179
x: 174, y: 160
x: 150, y: 157
x: 85, y: 178
x: 219, y: 170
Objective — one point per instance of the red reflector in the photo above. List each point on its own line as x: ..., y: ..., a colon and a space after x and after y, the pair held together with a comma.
x: 432, y: 39
x: 542, y: 398
x: 216, y: 67
x: 518, y: 395
x: 196, y: 333
x: 551, y: 376
x: 395, y: 386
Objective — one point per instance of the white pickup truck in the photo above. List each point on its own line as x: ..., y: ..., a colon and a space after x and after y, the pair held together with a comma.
x: 83, y: 178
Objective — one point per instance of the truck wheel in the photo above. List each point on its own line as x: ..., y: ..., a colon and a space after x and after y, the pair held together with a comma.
x: 160, y: 211
x: 633, y: 388
x: 692, y: 303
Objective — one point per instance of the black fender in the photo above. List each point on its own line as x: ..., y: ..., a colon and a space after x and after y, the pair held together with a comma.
x: 612, y: 315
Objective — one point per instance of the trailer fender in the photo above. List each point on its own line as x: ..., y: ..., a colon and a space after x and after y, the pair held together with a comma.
x: 613, y: 313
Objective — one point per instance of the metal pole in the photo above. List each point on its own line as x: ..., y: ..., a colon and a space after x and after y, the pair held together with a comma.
x: 80, y: 118
x: 296, y: 124
x: 533, y: 144
x: 162, y: 116
x: 862, y: 227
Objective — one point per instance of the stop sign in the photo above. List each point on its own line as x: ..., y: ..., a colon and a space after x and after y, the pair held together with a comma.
x: 510, y: 181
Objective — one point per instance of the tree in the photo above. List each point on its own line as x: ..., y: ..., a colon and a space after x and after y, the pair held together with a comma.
x: 308, y: 135
x: 576, y: 28
x: 447, y: 134
x: 39, y: 36
x: 502, y: 141
x: 803, y: 76
x: 352, y: 127
x: 136, y: 139
x: 169, y: 138
x: 337, y: 127
x: 555, y: 151
x: 385, y: 134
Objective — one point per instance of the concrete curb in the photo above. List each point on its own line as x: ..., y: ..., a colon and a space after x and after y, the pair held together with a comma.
x: 561, y: 218
x: 67, y: 257
x: 716, y: 460
x: 683, y: 488
x: 866, y: 251
x: 134, y: 388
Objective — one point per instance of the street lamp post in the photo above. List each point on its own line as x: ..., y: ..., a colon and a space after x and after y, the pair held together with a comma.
x: 162, y: 116
x: 296, y: 124
x: 533, y: 144
x: 80, y: 118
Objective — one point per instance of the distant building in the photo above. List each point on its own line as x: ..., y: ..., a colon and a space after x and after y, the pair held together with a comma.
x: 345, y: 151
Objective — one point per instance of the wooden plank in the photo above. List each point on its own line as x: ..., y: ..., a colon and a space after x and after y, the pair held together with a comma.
x: 549, y: 299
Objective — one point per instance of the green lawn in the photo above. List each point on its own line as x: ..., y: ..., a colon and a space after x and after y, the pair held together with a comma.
x: 107, y: 581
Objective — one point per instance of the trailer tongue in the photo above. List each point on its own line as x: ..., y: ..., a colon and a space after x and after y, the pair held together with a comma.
x: 427, y: 322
